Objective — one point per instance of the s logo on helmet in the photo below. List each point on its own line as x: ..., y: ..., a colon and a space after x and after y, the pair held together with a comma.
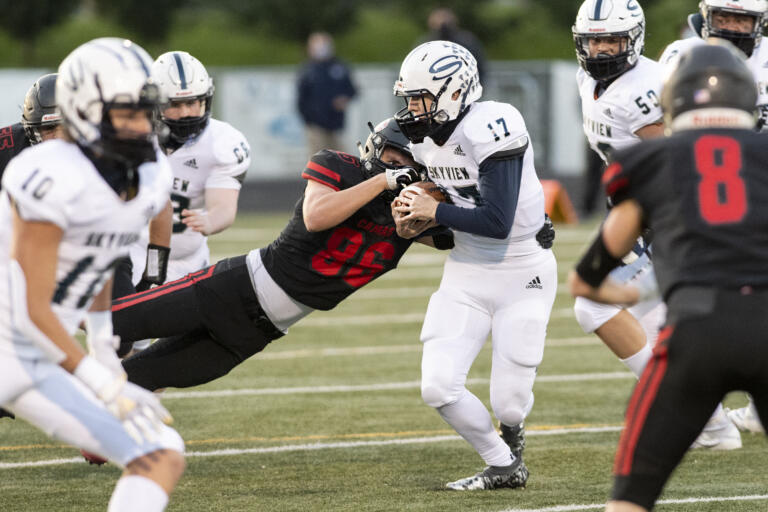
x: 445, y: 67
x: 632, y: 5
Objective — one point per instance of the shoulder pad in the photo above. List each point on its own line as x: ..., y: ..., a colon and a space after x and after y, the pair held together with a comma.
x: 581, y: 76
x: 45, y: 182
x: 674, y: 49
x: 630, y: 168
x: 231, y: 150
x: 331, y: 167
x: 495, y: 128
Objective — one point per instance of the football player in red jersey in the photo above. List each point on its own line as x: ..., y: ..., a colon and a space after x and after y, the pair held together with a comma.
x: 341, y: 237
x: 40, y: 120
x: 703, y: 191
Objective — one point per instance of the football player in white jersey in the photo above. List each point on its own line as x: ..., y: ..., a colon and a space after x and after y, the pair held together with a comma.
x: 742, y: 24
x: 497, y: 279
x: 209, y: 159
x: 68, y: 211
x: 620, y: 90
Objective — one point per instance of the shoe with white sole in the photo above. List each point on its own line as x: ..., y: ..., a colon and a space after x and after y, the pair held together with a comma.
x: 724, y: 437
x: 494, y: 477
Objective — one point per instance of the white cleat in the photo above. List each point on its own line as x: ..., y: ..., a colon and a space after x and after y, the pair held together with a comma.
x: 746, y: 419
x: 726, y: 437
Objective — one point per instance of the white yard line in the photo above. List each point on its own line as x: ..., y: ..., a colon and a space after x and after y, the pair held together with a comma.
x: 383, y: 386
x: 412, y: 292
x: 600, y: 506
x: 562, y: 234
x: 320, y: 446
x: 397, y: 349
x: 402, y: 318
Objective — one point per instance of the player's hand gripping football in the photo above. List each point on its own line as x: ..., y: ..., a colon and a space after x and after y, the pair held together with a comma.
x: 139, y: 410
x: 401, y: 177
x: 416, y: 204
x: 405, y: 227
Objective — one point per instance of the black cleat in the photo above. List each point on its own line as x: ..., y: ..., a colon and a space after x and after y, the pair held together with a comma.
x: 6, y: 414
x: 494, y: 477
x: 515, y: 438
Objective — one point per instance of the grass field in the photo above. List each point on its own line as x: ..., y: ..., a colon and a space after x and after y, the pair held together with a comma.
x: 330, y: 418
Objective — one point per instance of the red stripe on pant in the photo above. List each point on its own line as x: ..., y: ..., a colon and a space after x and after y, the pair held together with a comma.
x: 642, y: 398
x: 179, y: 284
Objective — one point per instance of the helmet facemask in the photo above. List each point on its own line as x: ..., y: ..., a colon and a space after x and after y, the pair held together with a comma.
x: 418, y: 126
x: 187, y: 128
x: 384, y: 136
x: 129, y: 149
x: 744, y: 41
x: 604, y: 67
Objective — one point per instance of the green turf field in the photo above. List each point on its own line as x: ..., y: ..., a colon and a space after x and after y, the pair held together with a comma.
x: 330, y: 418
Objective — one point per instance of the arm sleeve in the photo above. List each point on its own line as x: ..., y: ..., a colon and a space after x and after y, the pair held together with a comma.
x: 499, y: 184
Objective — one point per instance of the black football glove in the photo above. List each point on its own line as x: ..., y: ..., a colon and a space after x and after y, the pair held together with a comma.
x: 401, y: 177
x: 156, y: 269
x: 546, y: 235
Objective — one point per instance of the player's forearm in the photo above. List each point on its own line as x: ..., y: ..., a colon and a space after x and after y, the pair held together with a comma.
x: 499, y: 188
x: 609, y: 291
x: 325, y: 211
x: 220, y: 217
x: 161, y: 225
x: 45, y: 323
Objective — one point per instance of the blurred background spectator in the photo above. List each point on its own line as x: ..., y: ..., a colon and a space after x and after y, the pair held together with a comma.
x: 444, y: 26
x: 324, y: 90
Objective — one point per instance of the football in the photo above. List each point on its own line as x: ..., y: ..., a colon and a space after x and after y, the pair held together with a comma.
x: 430, y: 188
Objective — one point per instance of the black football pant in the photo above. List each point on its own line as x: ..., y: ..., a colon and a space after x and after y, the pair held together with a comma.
x: 715, y: 341
x: 208, y: 322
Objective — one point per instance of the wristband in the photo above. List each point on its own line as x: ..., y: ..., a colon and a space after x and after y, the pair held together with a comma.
x: 596, y: 263
x: 156, y: 269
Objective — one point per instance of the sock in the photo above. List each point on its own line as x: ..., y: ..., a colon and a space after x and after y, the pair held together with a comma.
x: 637, y: 361
x: 134, y: 493
x: 469, y: 417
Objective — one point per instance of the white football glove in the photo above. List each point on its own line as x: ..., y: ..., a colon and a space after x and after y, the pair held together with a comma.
x: 138, y: 410
x: 401, y: 177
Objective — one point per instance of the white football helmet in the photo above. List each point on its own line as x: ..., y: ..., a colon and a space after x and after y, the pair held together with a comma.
x: 744, y: 41
x: 99, y: 75
x: 440, y: 69
x: 182, y: 77
x: 609, y: 18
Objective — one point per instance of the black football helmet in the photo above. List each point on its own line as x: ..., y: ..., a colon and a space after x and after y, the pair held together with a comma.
x: 711, y: 76
x: 387, y: 134
x: 39, y: 108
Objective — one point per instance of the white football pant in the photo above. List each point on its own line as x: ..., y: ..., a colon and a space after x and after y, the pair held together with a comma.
x: 510, y: 299
x: 54, y: 401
